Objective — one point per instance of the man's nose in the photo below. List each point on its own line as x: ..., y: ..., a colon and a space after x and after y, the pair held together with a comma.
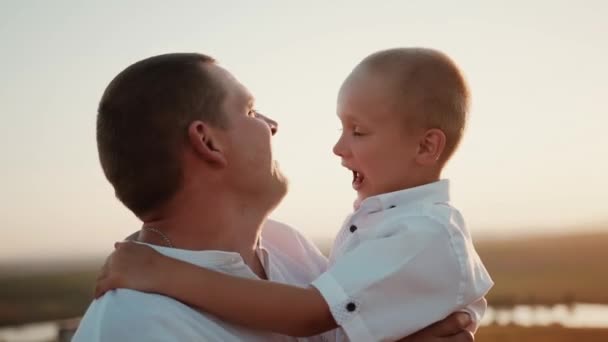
x: 274, y: 126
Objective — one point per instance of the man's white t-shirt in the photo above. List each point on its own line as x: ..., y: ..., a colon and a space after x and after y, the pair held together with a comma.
x: 402, y: 261
x: 127, y: 315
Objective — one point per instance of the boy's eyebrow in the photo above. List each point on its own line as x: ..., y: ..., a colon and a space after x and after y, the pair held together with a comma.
x: 349, y: 118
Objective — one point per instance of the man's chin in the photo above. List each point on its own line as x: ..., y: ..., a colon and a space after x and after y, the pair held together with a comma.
x: 281, y: 180
x: 277, y: 197
x: 276, y: 190
x: 282, y: 187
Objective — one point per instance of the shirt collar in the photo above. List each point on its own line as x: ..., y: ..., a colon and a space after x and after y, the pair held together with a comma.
x: 438, y: 191
x: 205, y: 258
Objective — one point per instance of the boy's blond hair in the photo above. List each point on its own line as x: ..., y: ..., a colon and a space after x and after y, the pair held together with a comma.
x: 429, y: 89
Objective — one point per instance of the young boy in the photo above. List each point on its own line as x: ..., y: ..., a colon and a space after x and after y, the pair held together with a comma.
x: 404, y: 255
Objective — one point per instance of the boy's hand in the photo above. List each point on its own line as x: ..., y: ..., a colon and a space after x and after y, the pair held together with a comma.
x: 132, y: 266
x: 450, y: 329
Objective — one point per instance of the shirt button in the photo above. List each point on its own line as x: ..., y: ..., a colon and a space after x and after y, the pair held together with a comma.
x: 353, y: 228
x: 350, y: 307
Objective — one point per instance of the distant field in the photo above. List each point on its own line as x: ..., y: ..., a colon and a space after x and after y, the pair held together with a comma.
x: 543, y: 270
x: 43, y: 297
x: 548, y: 270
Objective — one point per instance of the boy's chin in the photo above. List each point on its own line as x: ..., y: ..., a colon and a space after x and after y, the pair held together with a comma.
x: 358, y: 200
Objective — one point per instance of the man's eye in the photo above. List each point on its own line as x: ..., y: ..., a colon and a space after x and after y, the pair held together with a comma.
x: 253, y: 113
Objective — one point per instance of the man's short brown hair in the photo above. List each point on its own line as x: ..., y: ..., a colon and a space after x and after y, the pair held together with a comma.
x: 142, y: 123
x: 429, y: 86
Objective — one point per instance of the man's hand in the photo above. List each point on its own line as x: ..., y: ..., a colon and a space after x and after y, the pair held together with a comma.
x: 450, y: 329
x: 131, y: 265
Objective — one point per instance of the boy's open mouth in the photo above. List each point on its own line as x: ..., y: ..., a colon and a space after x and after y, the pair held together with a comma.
x: 358, y: 179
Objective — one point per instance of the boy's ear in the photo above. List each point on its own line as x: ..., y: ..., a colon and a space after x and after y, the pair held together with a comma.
x: 205, y: 144
x: 431, y: 147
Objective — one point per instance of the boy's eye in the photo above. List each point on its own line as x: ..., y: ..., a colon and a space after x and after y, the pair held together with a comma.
x: 356, y: 131
x: 253, y: 113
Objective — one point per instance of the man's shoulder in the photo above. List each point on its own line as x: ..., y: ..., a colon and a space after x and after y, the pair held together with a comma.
x: 294, y: 251
x: 284, y: 237
x: 116, y: 304
x: 127, y: 315
x: 274, y: 229
x: 131, y: 315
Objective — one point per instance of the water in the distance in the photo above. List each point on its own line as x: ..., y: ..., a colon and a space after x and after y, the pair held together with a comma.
x: 574, y: 316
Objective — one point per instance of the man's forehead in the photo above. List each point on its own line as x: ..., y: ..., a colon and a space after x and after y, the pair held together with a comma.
x: 244, y: 96
x: 234, y: 86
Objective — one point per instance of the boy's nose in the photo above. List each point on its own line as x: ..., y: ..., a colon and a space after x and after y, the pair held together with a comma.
x: 274, y: 126
x: 339, y: 147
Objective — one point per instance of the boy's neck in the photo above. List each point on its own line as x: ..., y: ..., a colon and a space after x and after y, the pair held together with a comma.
x: 408, y: 186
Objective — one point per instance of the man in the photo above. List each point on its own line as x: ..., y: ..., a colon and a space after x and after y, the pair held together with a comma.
x: 186, y: 152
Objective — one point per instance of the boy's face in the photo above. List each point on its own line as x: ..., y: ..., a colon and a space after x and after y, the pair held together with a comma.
x: 376, y: 143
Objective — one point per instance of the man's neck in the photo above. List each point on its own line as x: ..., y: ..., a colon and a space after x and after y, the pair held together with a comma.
x: 221, y: 223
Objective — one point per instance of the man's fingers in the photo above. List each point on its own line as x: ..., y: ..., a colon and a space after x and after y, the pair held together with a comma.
x: 463, y: 336
x: 124, y: 244
x: 103, y: 272
x: 101, y: 288
x: 452, y: 325
x: 98, y: 292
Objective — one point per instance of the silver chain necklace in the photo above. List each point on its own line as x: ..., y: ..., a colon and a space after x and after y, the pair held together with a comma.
x: 162, y: 235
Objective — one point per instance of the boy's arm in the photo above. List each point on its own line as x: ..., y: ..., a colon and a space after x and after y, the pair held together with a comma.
x: 252, y: 303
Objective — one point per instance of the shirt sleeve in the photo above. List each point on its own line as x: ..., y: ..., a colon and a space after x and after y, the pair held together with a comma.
x: 389, y: 287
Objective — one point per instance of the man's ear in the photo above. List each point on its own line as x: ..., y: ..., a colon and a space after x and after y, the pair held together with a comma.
x: 205, y: 144
x: 431, y: 147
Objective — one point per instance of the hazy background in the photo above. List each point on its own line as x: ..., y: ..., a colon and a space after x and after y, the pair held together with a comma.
x: 530, y: 176
x: 533, y: 159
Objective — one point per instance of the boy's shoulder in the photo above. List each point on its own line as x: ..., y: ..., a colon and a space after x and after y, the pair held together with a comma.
x: 424, y: 218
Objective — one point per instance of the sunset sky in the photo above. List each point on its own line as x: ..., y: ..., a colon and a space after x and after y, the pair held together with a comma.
x: 533, y: 159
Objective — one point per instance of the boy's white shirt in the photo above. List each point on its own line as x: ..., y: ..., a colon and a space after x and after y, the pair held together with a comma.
x: 400, y: 262
x: 127, y: 315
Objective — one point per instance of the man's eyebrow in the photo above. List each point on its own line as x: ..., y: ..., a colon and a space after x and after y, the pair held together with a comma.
x: 250, y: 101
